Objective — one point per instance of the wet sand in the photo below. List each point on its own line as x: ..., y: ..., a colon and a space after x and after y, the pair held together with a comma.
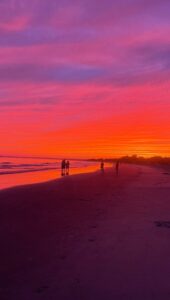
x: 86, y: 237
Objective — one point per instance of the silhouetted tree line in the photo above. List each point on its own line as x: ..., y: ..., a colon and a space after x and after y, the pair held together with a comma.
x: 134, y: 159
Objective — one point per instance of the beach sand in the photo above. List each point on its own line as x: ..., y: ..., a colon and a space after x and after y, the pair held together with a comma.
x: 92, y: 236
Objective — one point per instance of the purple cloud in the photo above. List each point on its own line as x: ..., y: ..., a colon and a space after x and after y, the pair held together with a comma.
x: 90, y: 42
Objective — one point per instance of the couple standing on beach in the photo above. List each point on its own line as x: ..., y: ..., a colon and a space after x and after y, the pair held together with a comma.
x: 65, y: 167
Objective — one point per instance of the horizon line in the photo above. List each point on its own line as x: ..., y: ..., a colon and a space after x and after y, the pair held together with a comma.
x: 92, y: 158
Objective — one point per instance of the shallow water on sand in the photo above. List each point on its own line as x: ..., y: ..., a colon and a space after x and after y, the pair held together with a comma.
x: 20, y: 171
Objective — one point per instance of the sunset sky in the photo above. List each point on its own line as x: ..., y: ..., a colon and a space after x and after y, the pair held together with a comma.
x: 85, y: 78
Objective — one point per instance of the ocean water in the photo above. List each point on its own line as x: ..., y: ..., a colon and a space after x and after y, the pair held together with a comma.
x: 20, y: 171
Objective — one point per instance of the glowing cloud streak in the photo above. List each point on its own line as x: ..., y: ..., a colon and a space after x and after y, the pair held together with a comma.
x: 85, y: 78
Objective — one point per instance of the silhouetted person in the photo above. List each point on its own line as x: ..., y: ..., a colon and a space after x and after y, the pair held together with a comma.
x: 63, y: 167
x: 117, y: 167
x: 67, y: 167
x: 102, y: 165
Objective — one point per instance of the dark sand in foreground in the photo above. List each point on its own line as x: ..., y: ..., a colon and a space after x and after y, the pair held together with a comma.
x: 87, y: 237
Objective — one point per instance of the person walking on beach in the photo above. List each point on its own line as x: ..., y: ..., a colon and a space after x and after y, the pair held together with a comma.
x: 63, y: 167
x: 117, y: 167
x: 102, y: 165
x: 67, y: 167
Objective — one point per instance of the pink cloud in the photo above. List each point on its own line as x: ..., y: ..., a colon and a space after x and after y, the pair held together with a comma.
x: 66, y: 66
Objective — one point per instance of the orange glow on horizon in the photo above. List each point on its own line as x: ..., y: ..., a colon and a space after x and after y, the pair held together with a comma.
x: 119, y: 135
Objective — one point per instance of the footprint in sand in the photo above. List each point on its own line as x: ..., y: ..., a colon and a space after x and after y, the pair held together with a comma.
x: 165, y: 224
x: 77, y: 281
x: 85, y: 200
x: 93, y: 226
x: 42, y: 289
x: 91, y: 240
x: 63, y: 257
